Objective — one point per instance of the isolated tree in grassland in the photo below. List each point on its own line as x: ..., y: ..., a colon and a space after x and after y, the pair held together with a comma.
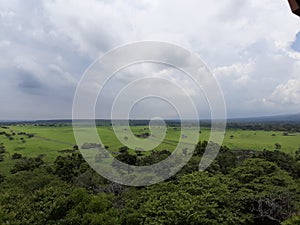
x: 277, y: 146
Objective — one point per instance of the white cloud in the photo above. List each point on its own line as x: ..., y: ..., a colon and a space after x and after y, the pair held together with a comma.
x: 238, y: 70
x: 288, y: 93
x: 46, y: 46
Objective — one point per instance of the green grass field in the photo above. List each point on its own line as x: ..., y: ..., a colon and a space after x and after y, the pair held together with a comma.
x: 50, y: 140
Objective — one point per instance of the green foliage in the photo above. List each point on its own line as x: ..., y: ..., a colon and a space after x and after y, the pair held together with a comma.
x: 29, y: 181
x: 52, y: 202
x: 123, y: 149
x: 27, y: 164
x: 197, y: 199
x: 2, y: 151
x: 200, y: 148
x: 240, y: 187
x: 2, y: 148
x: 294, y: 220
x: 16, y: 156
x: 91, y: 180
x: 52, y: 139
x: 224, y: 162
x: 127, y: 158
x: 92, y: 209
x: 1, y: 178
x: 254, y: 192
x: 297, y: 155
x: 154, y: 157
x: 283, y: 160
x: 265, y: 190
x: 277, y: 146
x: 70, y: 166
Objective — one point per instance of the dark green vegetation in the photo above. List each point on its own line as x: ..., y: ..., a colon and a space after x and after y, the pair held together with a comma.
x: 52, y: 183
x: 55, y: 139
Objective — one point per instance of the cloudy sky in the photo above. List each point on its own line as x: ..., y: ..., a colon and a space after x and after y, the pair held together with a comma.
x: 252, y: 47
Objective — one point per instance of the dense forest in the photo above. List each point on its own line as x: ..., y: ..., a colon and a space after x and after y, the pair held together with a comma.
x: 240, y: 187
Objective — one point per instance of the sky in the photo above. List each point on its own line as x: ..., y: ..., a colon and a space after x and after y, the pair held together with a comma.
x: 252, y: 48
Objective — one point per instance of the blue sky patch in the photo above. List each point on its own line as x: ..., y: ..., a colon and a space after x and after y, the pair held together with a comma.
x: 296, y: 44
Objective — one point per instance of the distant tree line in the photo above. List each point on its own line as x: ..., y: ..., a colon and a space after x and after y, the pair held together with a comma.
x: 291, y: 127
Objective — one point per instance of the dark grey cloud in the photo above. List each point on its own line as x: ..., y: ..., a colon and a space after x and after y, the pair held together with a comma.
x: 28, y: 83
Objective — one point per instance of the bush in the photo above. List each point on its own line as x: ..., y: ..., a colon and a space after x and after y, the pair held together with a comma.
x: 27, y: 164
x: 292, y: 221
x: 69, y: 167
x: 1, y: 178
x: 16, y: 156
x: 123, y: 149
x: 2, y: 148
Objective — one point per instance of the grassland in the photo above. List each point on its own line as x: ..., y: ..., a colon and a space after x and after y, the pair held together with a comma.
x: 50, y: 140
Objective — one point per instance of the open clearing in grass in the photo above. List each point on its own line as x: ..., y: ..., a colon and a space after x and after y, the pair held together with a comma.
x: 50, y: 140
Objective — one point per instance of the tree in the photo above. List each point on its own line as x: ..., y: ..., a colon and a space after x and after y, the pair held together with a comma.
x: 68, y: 167
x: 127, y: 158
x: 16, y: 156
x: 226, y: 160
x: 285, y: 161
x: 1, y: 178
x: 297, y: 155
x: 198, y: 198
x: 92, y: 181
x: 265, y: 190
x: 25, y: 164
x: 123, y: 149
x: 154, y: 157
x: 2, y: 148
x: 139, y: 152
x: 277, y: 146
x: 294, y: 220
x: 200, y: 148
x: 36, y: 197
